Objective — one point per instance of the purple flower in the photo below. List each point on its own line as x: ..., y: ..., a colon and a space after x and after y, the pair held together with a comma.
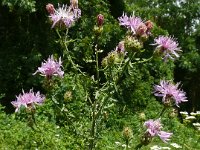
x: 167, y: 46
x: 154, y: 129
x: 170, y: 92
x: 65, y: 16
x: 28, y: 99
x: 51, y: 68
x: 135, y: 24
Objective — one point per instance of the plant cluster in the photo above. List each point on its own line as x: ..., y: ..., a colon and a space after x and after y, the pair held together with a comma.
x: 81, y: 104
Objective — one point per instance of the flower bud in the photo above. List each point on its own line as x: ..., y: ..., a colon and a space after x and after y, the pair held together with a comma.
x: 149, y: 25
x: 104, y: 62
x: 127, y: 133
x: 142, y: 29
x: 146, y: 138
x: 74, y: 3
x: 120, y: 48
x: 100, y: 20
x: 50, y: 8
x: 68, y: 95
x: 132, y: 44
x: 142, y: 116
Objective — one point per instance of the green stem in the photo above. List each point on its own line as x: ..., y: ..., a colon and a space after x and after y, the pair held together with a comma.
x: 127, y: 141
x: 66, y: 53
x: 92, y: 132
x: 162, y: 112
x: 97, y: 65
x: 145, y: 60
x: 125, y: 68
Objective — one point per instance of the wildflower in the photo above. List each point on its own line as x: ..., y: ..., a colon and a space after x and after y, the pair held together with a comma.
x: 193, y: 114
x: 51, y: 67
x: 154, y: 129
x: 190, y: 118
x: 135, y: 25
x: 65, y: 16
x: 27, y: 99
x: 184, y: 113
x: 170, y: 92
x: 196, y: 124
x: 167, y: 46
x: 156, y: 147
x: 100, y: 20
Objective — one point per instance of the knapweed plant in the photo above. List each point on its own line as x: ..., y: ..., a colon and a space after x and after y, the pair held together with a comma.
x: 103, y: 88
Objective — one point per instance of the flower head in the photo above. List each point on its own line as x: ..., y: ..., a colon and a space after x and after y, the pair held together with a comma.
x: 51, y: 68
x: 27, y: 99
x: 167, y: 46
x: 170, y: 92
x: 65, y: 15
x: 154, y: 129
x: 135, y: 25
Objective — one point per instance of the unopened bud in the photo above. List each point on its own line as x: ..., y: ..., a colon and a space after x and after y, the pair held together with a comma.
x: 142, y: 116
x: 132, y: 44
x: 100, y: 20
x: 127, y: 133
x: 141, y: 30
x: 50, y: 8
x: 68, y: 95
x: 74, y: 3
x: 149, y: 24
x: 120, y: 48
x: 146, y: 138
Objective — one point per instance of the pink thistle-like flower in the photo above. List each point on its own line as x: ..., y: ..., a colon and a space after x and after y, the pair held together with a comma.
x: 28, y: 100
x: 124, y: 20
x: 135, y: 24
x: 167, y: 46
x: 154, y: 129
x: 51, y: 68
x: 170, y: 92
x: 65, y: 16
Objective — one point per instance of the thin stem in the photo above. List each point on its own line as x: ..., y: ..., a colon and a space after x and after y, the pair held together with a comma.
x: 125, y: 68
x: 162, y: 112
x: 58, y: 33
x: 145, y: 60
x: 97, y: 65
x: 92, y: 132
x: 66, y: 52
x: 127, y: 141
